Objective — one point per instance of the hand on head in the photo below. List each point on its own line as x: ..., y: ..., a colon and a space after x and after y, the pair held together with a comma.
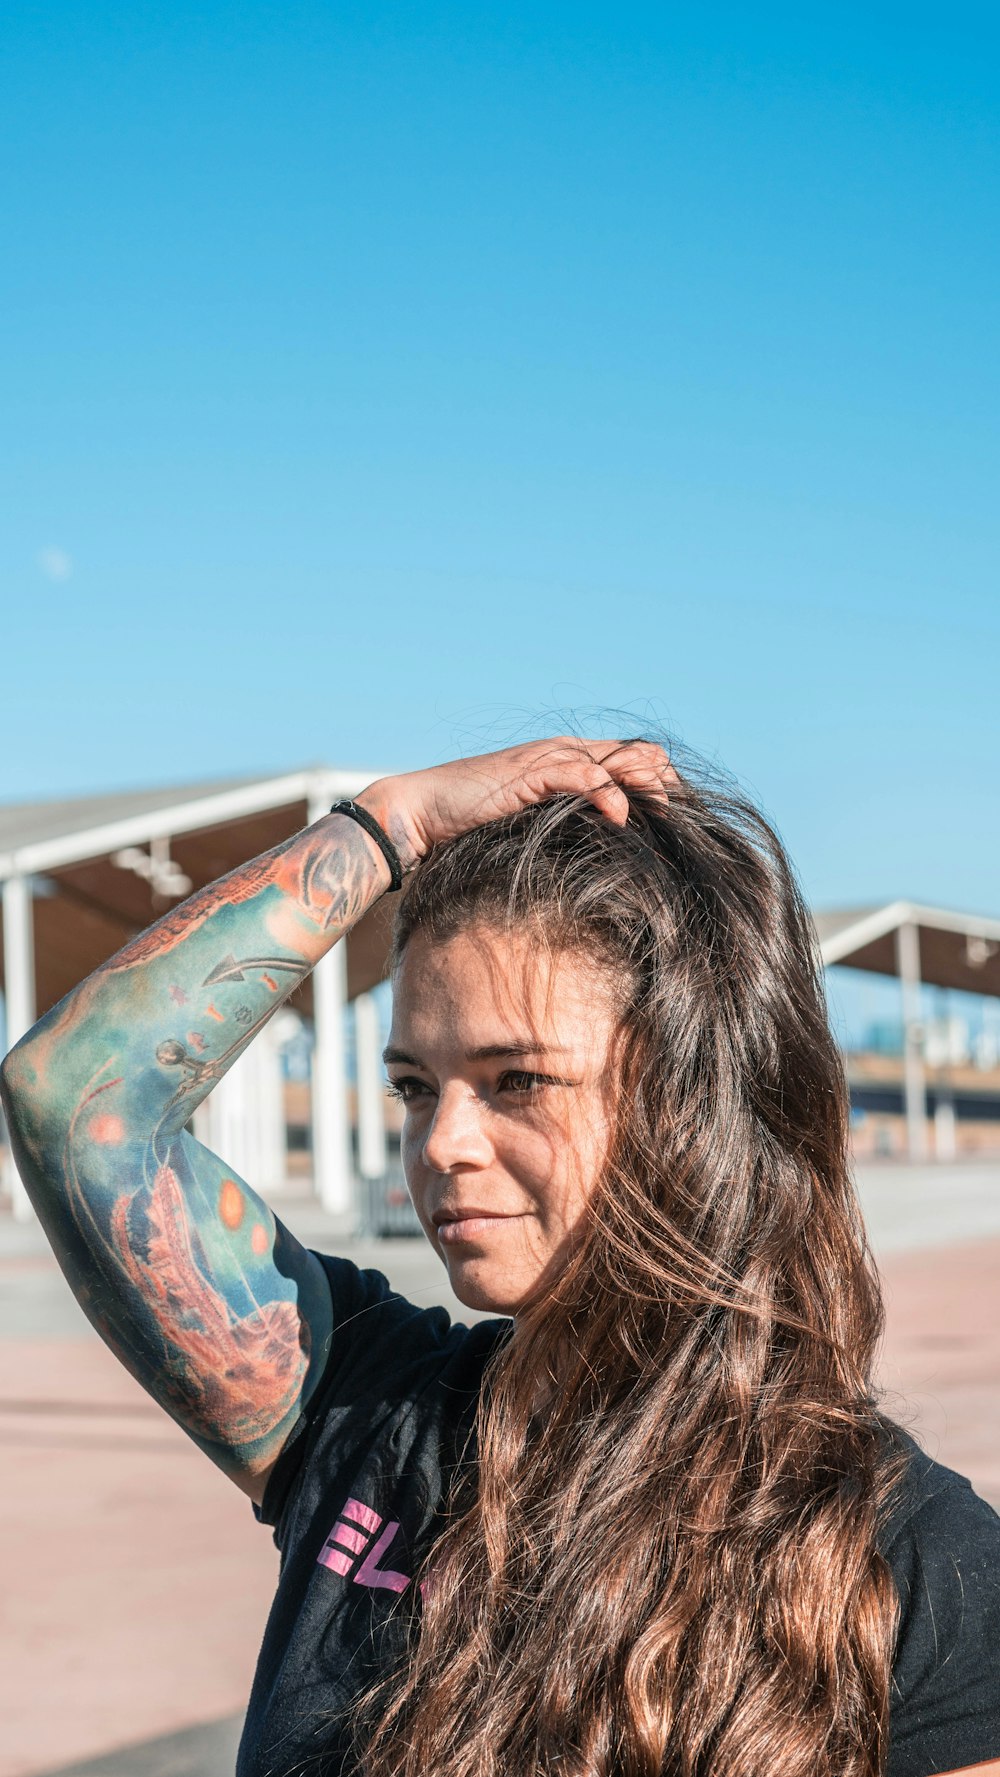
x: 422, y: 808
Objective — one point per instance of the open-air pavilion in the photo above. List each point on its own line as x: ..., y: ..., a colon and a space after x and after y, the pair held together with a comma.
x: 919, y: 945
x: 82, y: 876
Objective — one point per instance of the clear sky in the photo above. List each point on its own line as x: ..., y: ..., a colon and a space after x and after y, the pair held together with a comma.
x: 382, y: 382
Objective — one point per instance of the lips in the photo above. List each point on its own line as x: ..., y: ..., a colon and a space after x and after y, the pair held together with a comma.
x: 469, y: 1222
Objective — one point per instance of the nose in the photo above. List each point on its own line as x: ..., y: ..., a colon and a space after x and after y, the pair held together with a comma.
x: 457, y: 1137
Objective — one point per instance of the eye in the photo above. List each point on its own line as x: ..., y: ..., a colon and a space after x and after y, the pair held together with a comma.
x: 521, y: 1082
x: 407, y: 1089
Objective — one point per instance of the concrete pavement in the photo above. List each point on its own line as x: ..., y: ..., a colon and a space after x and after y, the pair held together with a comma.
x: 913, y: 1208
x: 208, y: 1750
x: 136, y: 1579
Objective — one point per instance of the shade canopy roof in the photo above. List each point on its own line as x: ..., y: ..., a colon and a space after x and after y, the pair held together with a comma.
x: 960, y: 950
x: 87, y: 904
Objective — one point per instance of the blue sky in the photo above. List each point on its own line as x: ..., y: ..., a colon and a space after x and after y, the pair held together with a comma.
x: 384, y: 382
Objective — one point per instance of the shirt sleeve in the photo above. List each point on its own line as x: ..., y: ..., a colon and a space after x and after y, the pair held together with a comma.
x: 379, y: 1350
x: 945, y: 1699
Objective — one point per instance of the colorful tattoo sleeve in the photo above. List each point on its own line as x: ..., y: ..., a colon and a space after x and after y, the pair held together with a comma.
x: 184, y: 1271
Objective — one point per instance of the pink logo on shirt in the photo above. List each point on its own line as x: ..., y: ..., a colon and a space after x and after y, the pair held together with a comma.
x: 351, y: 1537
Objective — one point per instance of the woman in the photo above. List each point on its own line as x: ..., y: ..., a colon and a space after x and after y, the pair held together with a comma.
x: 650, y: 1520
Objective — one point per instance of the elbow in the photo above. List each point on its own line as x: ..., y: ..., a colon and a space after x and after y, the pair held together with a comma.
x: 36, y: 1123
x: 26, y: 1133
x: 27, y: 1105
x: 18, y: 1065
x: 15, y: 1071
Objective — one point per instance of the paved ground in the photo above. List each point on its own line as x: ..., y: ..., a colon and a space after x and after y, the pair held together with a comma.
x: 208, y: 1750
x: 911, y: 1208
x: 136, y: 1580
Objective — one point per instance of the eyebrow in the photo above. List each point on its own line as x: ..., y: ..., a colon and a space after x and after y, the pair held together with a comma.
x: 485, y: 1052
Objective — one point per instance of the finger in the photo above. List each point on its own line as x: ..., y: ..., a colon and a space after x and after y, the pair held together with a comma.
x: 602, y: 786
x: 617, y: 756
x: 659, y: 780
x: 608, y: 749
x: 660, y: 765
x: 628, y: 753
x: 608, y: 798
x: 600, y: 770
x: 639, y: 765
x: 578, y: 776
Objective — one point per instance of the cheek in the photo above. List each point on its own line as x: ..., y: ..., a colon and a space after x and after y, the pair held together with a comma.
x: 578, y: 1161
x: 557, y: 1165
x: 411, y: 1149
x: 532, y: 1151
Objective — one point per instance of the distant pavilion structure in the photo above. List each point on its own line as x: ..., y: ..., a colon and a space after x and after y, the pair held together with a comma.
x: 80, y: 877
x: 918, y: 945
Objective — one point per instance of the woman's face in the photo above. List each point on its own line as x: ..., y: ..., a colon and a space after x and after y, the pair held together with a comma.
x: 501, y: 1054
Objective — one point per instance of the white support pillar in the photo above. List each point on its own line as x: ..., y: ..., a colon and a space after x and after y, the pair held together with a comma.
x: 332, y: 1171
x: 243, y: 1118
x: 222, y: 1121
x: 945, y: 1133
x: 272, y: 1142
x: 333, y: 1174
x: 19, y: 978
x: 908, y: 964
x: 371, y: 1098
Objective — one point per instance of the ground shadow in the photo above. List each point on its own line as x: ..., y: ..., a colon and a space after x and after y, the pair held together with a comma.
x: 205, y: 1751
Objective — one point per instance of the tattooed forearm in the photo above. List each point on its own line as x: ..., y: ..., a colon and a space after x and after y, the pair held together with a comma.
x: 328, y: 871
x: 334, y: 885
x: 241, y: 885
x: 183, y: 1270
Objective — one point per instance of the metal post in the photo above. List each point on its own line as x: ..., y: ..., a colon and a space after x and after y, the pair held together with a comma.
x: 19, y: 977
x: 908, y: 965
x: 332, y: 1170
x: 371, y: 1101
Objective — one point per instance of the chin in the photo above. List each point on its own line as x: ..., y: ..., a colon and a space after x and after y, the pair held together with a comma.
x: 485, y: 1295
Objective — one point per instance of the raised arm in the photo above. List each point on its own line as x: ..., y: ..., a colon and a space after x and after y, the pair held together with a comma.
x: 181, y: 1267
x: 183, y: 1270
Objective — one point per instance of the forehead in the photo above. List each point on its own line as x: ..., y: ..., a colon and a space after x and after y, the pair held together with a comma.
x: 483, y: 985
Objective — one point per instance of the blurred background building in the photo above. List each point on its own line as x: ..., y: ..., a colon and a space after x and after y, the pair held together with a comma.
x: 915, y: 993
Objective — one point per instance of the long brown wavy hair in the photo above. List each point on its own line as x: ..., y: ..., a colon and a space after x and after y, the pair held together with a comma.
x: 672, y: 1569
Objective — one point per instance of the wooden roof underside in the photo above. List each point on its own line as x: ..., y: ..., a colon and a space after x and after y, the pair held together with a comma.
x: 90, y: 909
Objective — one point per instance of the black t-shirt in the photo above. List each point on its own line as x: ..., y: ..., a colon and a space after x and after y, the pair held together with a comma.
x: 354, y: 1502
